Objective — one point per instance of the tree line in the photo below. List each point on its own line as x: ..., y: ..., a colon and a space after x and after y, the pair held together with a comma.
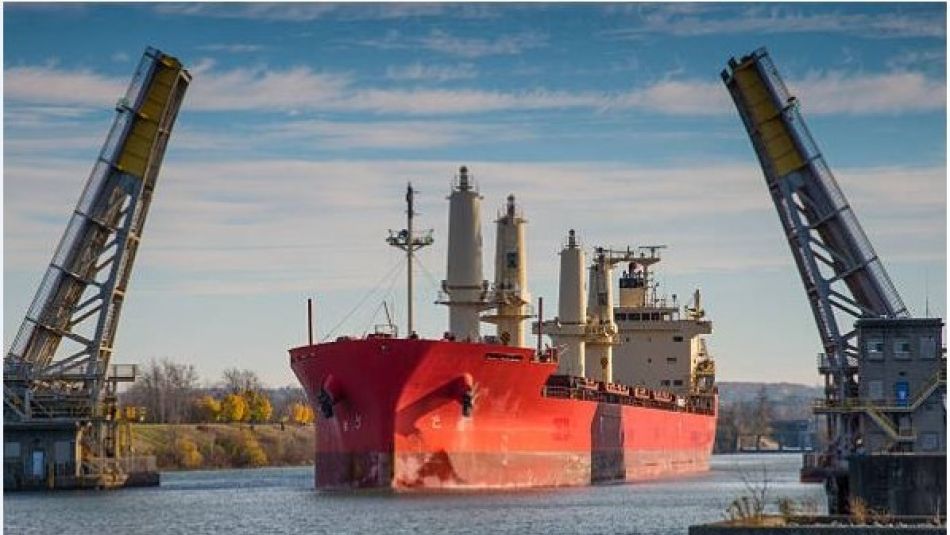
x: 749, y: 419
x: 773, y: 417
x: 168, y: 392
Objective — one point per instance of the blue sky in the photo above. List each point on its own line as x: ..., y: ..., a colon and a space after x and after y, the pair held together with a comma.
x: 304, y: 122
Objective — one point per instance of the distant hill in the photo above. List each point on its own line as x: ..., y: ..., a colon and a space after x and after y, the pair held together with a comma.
x: 788, y: 400
x: 733, y: 391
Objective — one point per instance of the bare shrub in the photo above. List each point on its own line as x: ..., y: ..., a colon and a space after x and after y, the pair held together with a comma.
x: 787, y: 508
x: 749, y: 509
x: 859, y: 511
x: 809, y: 505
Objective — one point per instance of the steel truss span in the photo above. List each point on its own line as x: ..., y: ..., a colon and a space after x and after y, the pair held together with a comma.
x: 59, y: 368
x: 843, y: 277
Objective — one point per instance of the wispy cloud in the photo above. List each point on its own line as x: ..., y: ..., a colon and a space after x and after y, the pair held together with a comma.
x: 439, y: 41
x: 42, y: 116
x: 257, y: 89
x: 393, y: 134
x: 913, y: 59
x: 432, y: 73
x: 687, y: 97
x: 301, y: 88
x: 282, y: 12
x: 46, y: 144
x: 884, y: 93
x: 462, y: 101
x: 768, y: 19
x: 50, y: 85
x: 202, y: 235
x: 234, y: 48
x: 454, y: 45
x: 307, y: 12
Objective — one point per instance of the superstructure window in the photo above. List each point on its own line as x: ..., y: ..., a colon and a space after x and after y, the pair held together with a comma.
x: 634, y: 316
x: 671, y: 359
x: 677, y: 338
x: 665, y: 382
x: 902, y: 348
x: 11, y: 449
x: 875, y: 349
x: 928, y: 347
x: 620, y: 316
x: 678, y: 382
x: 929, y: 441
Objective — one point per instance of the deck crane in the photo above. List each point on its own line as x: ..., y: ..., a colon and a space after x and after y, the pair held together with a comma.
x: 59, y: 383
x: 844, y: 279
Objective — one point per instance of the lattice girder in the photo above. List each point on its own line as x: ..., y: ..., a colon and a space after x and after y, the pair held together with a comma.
x: 80, y: 297
x: 843, y: 277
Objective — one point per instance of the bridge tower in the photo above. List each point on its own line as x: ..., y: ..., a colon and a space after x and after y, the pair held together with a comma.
x: 845, y: 281
x: 61, y: 423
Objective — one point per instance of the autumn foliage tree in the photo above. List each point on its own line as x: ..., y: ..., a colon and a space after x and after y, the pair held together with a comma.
x: 259, y: 408
x: 207, y: 409
x: 169, y: 392
x: 234, y: 408
x: 300, y: 413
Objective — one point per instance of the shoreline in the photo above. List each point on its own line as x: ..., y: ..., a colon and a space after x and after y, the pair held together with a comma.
x: 197, y: 446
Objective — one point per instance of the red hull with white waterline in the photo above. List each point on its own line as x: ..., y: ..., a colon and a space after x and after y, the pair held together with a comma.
x: 412, y: 413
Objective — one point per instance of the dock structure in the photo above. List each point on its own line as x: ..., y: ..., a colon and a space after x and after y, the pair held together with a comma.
x: 885, y: 373
x: 62, y: 426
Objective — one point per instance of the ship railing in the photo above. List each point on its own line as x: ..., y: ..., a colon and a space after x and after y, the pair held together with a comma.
x: 675, y: 404
x: 549, y: 354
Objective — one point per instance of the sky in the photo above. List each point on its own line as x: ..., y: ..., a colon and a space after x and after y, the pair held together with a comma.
x: 304, y: 122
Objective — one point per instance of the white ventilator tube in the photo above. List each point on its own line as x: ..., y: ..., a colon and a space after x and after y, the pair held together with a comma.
x: 572, y: 310
x: 464, y: 284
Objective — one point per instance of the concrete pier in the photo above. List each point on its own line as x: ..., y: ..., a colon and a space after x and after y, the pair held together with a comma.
x: 904, y: 484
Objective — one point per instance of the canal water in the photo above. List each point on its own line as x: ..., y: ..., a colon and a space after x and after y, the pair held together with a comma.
x: 282, y: 500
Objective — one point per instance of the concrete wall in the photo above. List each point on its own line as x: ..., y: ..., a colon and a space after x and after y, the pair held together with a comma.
x: 37, y: 458
x: 901, y: 484
x: 724, y: 529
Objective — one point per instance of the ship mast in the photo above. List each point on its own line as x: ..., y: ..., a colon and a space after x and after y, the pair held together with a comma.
x: 408, y: 242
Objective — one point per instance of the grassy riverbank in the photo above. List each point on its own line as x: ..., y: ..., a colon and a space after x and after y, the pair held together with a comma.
x: 209, y: 446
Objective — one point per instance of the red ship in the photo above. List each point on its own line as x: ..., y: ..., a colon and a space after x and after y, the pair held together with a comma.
x: 473, y: 411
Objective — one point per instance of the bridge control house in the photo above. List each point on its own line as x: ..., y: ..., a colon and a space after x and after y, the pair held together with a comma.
x: 901, y: 365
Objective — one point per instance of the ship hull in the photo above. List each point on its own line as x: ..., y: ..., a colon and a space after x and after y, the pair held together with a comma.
x: 399, y: 421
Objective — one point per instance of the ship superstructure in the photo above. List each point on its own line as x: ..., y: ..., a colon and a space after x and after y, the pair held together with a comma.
x: 640, y: 340
x: 661, y: 345
x: 484, y: 411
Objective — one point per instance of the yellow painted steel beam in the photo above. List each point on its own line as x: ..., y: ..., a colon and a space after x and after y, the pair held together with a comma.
x: 781, y: 151
x: 135, y: 153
